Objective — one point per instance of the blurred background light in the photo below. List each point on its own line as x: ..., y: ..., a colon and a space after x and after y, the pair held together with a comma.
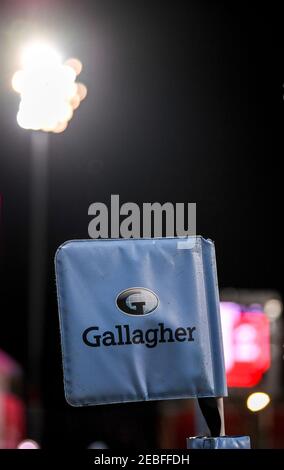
x: 258, y: 401
x: 98, y: 445
x: 75, y: 64
x: 47, y: 87
x: 28, y: 444
x: 39, y: 54
x: 246, y: 340
x: 273, y: 309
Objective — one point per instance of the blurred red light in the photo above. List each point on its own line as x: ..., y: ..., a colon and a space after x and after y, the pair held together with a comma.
x: 247, y: 352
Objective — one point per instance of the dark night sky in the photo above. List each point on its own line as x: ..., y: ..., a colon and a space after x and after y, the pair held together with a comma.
x: 184, y: 105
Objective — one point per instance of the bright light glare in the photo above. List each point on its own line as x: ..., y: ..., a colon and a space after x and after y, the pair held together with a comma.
x: 28, y: 444
x: 75, y: 64
x: 39, y: 54
x: 258, y: 401
x: 48, y: 89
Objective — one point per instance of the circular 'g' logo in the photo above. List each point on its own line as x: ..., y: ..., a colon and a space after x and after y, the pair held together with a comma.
x: 137, y: 301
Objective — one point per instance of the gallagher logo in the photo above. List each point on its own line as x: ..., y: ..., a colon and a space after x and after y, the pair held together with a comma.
x: 137, y: 301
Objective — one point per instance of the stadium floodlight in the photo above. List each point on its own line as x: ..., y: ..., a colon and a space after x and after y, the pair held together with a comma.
x: 49, y: 95
x: 48, y: 90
